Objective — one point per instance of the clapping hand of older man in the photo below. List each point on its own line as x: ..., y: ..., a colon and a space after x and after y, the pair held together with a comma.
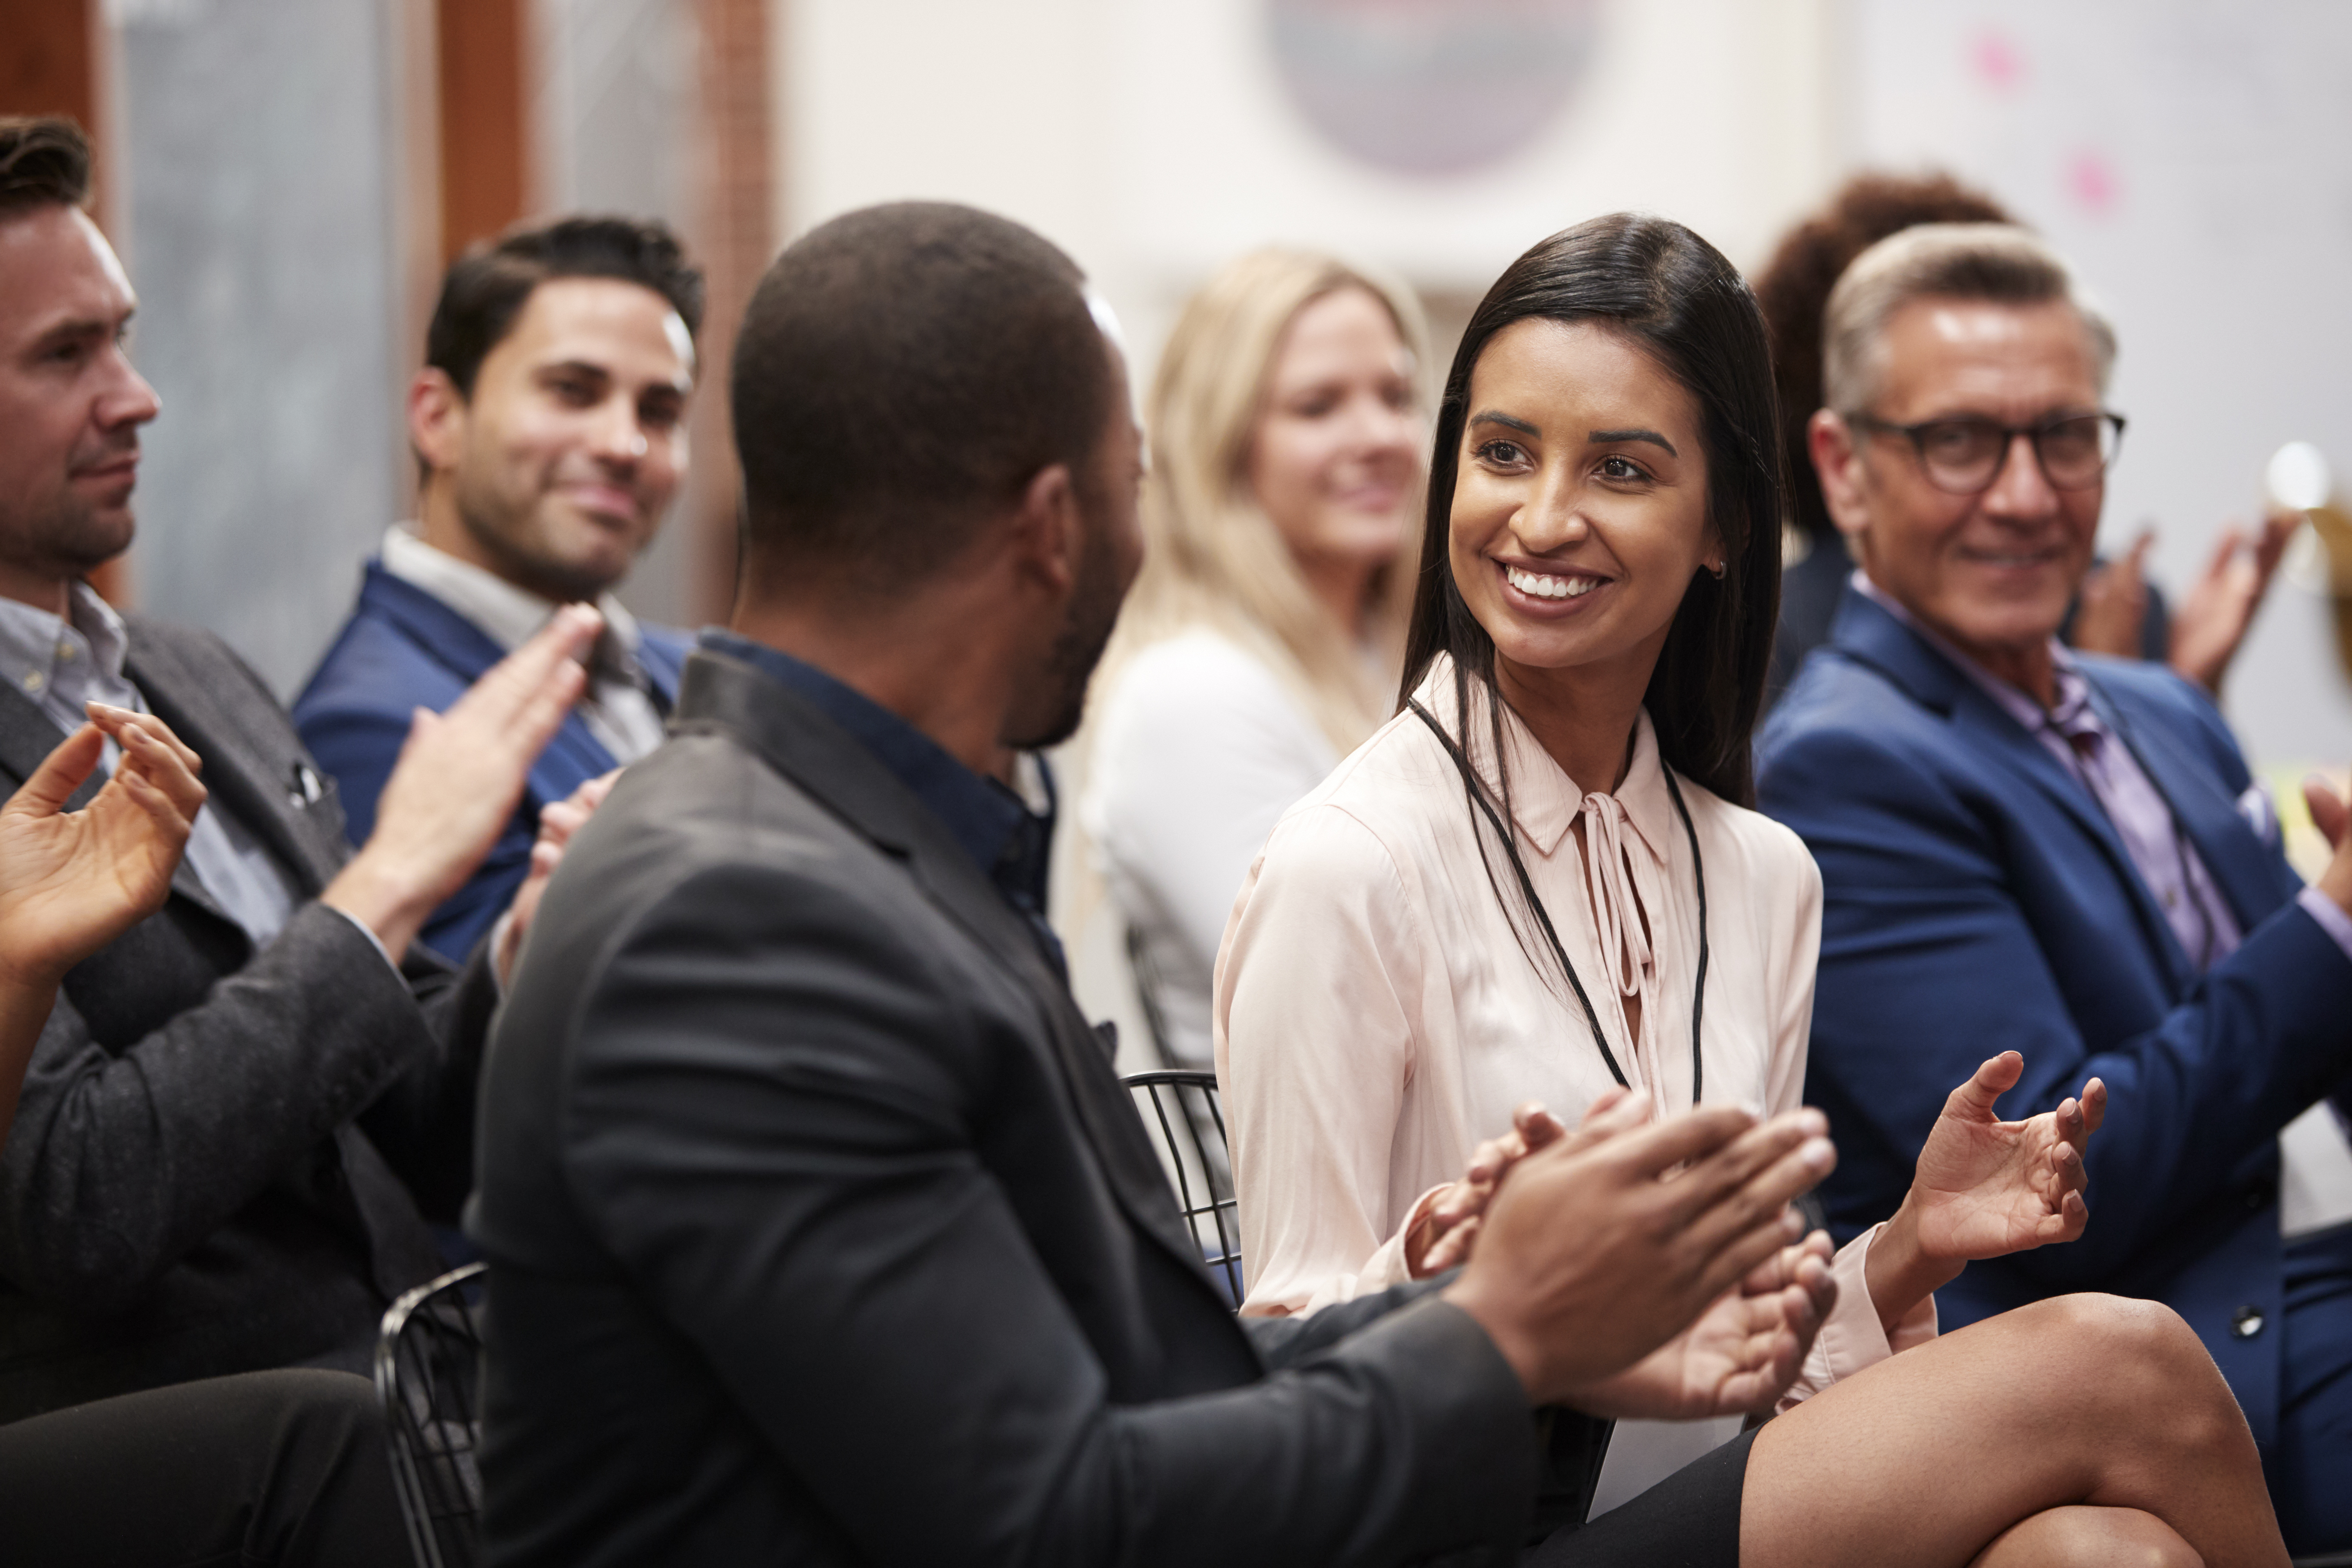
x: 459, y: 780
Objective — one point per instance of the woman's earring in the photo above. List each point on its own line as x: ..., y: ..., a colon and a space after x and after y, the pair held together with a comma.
x: 1717, y: 568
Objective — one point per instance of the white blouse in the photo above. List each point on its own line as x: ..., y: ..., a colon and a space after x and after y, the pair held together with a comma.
x: 1199, y: 749
x: 1378, y: 1014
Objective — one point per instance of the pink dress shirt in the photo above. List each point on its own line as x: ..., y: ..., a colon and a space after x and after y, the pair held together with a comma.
x: 1377, y: 1015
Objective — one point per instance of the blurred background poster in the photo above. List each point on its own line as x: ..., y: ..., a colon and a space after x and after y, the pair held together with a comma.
x: 287, y: 178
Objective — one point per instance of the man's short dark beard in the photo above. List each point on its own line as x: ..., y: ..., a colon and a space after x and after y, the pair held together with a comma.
x: 70, y: 542
x: 1095, y: 599
x: 544, y: 578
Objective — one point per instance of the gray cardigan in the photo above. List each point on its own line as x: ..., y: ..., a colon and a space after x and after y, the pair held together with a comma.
x: 223, y: 1158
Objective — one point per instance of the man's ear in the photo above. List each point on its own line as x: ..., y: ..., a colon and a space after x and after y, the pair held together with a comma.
x: 1837, y: 460
x: 437, y: 418
x: 1048, y: 534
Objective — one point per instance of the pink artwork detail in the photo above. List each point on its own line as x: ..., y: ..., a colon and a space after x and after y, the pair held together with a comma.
x: 1999, y: 64
x: 2091, y: 179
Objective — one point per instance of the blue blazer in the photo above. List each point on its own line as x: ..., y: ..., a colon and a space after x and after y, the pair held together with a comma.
x: 1976, y: 899
x: 404, y: 650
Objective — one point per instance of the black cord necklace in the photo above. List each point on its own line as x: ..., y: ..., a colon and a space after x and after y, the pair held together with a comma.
x: 1543, y: 916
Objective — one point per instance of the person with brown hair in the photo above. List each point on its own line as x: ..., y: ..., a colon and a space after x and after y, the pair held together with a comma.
x: 239, y: 1111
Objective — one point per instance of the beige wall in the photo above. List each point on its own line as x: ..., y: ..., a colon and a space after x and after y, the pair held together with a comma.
x: 1153, y: 141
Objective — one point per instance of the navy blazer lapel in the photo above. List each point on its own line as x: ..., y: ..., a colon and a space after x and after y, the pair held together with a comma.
x: 809, y: 748
x: 2233, y: 855
x: 467, y: 652
x: 1866, y: 632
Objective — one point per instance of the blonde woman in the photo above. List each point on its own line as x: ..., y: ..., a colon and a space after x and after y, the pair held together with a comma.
x: 1263, y: 639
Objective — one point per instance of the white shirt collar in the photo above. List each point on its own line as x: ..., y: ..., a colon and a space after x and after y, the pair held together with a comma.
x: 509, y: 615
x: 35, y: 643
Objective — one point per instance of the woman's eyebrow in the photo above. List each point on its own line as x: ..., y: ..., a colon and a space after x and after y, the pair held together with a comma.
x: 1602, y: 436
x: 1509, y: 423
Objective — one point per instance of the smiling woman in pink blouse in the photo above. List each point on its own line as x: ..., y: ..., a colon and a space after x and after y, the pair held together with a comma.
x: 1541, y: 882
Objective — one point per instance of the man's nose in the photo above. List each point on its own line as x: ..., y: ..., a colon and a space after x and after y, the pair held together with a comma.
x: 130, y: 402
x: 619, y: 437
x: 2020, y: 489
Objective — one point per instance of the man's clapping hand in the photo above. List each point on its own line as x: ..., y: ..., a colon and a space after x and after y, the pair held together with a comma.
x: 1593, y: 1252
x: 70, y: 882
x: 459, y: 777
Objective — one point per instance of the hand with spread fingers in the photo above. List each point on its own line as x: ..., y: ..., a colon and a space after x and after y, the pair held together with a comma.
x: 1985, y: 1187
x: 72, y: 882
x: 459, y: 780
x: 2213, y: 618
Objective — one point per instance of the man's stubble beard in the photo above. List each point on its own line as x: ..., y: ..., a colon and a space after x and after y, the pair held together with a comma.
x: 515, y: 561
x: 1095, y: 600
x: 71, y: 538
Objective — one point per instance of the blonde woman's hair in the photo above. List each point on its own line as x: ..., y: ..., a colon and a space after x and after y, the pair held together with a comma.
x: 1214, y: 558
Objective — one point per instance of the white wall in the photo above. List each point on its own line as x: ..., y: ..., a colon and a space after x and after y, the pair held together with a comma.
x: 2194, y: 160
x: 1153, y: 141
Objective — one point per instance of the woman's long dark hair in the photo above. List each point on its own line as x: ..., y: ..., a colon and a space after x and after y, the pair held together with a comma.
x: 1673, y: 295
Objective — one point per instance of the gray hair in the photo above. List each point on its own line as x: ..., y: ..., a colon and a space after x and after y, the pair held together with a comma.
x: 1988, y: 261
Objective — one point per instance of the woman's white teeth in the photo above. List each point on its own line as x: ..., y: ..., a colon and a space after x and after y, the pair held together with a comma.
x: 1545, y: 588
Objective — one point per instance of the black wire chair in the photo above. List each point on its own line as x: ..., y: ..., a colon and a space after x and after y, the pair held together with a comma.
x: 1184, y: 1105
x: 429, y: 1375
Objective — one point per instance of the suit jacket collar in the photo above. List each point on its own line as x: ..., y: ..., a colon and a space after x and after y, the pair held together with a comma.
x: 794, y: 737
x: 467, y: 652
x: 1866, y: 633
x: 243, y: 781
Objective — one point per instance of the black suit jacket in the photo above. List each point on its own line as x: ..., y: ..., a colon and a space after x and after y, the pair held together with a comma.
x: 820, y: 1229
x: 219, y: 1157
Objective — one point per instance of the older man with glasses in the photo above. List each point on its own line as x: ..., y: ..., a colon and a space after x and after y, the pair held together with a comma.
x: 2024, y: 848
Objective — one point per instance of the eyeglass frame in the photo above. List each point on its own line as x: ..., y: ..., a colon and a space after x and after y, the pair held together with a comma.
x: 2032, y: 433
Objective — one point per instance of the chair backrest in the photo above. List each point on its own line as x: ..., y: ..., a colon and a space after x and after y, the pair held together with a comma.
x: 428, y: 1374
x: 1184, y: 1108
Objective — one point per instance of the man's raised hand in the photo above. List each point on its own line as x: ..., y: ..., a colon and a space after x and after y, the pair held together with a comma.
x: 458, y: 779
x: 1591, y: 1257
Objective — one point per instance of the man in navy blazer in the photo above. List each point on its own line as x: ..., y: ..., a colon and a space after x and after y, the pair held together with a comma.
x: 2065, y: 855
x: 549, y: 424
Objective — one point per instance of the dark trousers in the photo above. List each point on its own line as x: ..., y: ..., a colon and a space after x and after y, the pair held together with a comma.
x: 271, y: 1468
x: 2311, y: 1470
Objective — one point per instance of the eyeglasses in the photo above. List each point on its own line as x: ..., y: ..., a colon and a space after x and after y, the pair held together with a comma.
x: 1963, y: 456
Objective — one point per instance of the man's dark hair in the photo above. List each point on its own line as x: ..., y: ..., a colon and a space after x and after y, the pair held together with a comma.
x: 44, y: 160
x: 1794, y: 290
x: 486, y: 289
x: 913, y: 366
